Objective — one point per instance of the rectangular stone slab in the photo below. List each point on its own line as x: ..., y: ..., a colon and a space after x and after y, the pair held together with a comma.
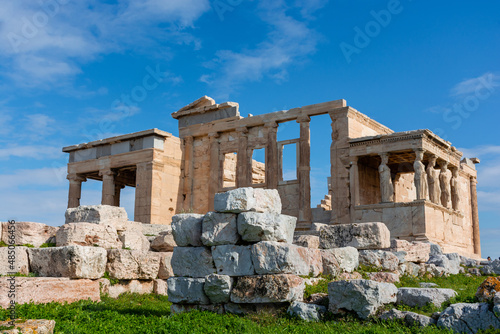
x: 49, y: 289
x: 268, y: 289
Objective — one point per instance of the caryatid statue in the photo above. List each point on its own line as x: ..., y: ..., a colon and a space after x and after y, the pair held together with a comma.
x: 386, y: 186
x: 445, y: 182
x: 455, y: 197
x: 420, y: 175
x: 433, y: 180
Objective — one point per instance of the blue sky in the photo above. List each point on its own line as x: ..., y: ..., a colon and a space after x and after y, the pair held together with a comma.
x: 71, y: 72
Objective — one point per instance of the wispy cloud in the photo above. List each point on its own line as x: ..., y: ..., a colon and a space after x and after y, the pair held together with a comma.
x: 38, y: 152
x: 471, y: 86
x: 45, y: 44
x: 289, y: 42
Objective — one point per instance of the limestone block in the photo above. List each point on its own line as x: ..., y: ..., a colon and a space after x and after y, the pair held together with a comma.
x: 422, y: 296
x: 38, y: 326
x: 88, y: 234
x: 219, y: 229
x: 131, y: 286
x: 192, y: 261
x: 350, y: 276
x: 412, y: 269
x: 187, y: 229
x: 235, y: 201
x: 360, y: 236
x: 468, y: 262
x: 165, y: 270
x: 417, y: 252
x: 97, y: 214
x: 379, y: 259
x: 41, y: 290
x: 160, y: 287
x: 338, y: 260
x: 488, y: 289
x: 164, y: 242
x: 428, y: 285
x: 361, y: 296
x: 468, y: 318
x: 28, y: 233
x: 496, y: 299
x: 270, y: 257
x: 129, y: 264
x: 104, y: 285
x: 255, y: 227
x: 412, y: 319
x: 185, y: 290
x: 68, y: 261
x: 493, y: 267
x: 307, y: 312
x: 392, y: 314
x: 450, y: 266
x: 218, y: 288
x: 435, y: 249
x: 20, y: 257
x: 233, y: 260
x: 135, y: 240
x: 268, y: 289
x: 155, y: 229
x: 384, y: 277
x: 267, y: 200
x: 317, y: 226
x: 309, y: 241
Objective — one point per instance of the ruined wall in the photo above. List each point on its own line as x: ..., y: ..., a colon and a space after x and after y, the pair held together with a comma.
x: 169, y: 194
x: 404, y: 187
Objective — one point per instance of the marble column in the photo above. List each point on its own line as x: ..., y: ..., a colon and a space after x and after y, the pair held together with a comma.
x: 148, y: 192
x: 108, y: 187
x: 272, y: 165
x: 386, y: 185
x: 75, y: 190
x: 215, y: 179
x: 445, y: 184
x: 433, y: 180
x: 118, y: 188
x: 420, y: 178
x: 188, y: 177
x: 243, y: 163
x: 354, y: 186
x: 305, y: 213
x: 475, y: 216
x: 455, y: 190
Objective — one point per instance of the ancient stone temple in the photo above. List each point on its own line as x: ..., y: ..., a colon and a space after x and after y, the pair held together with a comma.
x: 416, y: 183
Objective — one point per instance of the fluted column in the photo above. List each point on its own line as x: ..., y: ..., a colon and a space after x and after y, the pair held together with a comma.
x: 305, y: 213
x: 272, y: 165
x: 243, y: 165
x: 108, y: 187
x: 475, y: 216
x: 75, y: 190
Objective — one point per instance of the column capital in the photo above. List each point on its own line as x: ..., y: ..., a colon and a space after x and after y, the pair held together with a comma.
x: 303, y: 119
x: 76, y: 178
x: 242, y: 130
x: 188, y: 139
x: 354, y: 160
x: 212, y: 135
x: 419, y: 150
x: 272, y: 125
x: 106, y: 172
x: 473, y: 180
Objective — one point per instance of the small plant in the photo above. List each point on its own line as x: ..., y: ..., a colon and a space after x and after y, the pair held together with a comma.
x: 112, y: 281
x: 28, y: 245
x: 127, y: 248
x: 3, y: 244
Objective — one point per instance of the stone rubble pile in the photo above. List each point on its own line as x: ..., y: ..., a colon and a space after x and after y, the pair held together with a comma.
x: 96, y: 242
x: 239, y: 258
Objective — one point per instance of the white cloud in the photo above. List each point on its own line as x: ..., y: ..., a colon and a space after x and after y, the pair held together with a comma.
x: 51, y: 177
x: 290, y: 41
x: 471, y: 86
x: 31, y: 151
x: 44, y: 45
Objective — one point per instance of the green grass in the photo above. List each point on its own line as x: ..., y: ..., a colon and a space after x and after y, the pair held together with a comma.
x: 47, y: 245
x: 136, y: 314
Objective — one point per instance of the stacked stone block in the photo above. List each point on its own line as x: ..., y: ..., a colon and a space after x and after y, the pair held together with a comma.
x: 239, y: 258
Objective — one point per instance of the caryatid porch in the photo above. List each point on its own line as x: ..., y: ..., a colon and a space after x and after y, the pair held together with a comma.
x: 416, y: 183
